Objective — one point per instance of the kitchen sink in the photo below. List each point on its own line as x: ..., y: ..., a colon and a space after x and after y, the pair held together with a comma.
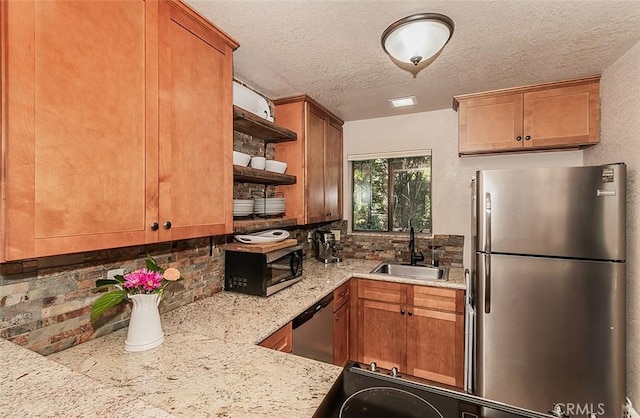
x: 420, y: 271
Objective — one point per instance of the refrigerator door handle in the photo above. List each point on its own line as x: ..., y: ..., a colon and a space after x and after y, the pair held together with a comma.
x: 487, y: 283
x: 487, y: 222
x: 469, y: 342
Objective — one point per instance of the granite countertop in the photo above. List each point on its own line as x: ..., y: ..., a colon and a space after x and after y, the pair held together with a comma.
x: 208, y: 365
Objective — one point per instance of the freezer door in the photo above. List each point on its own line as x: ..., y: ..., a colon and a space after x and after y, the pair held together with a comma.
x: 551, y: 331
x: 576, y: 212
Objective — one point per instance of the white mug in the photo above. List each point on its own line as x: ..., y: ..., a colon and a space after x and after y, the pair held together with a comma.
x: 258, y: 162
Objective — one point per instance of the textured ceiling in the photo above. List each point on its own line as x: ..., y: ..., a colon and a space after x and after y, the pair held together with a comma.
x: 331, y: 50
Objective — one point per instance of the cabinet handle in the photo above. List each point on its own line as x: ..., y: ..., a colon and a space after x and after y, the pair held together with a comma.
x: 527, y: 138
x: 167, y: 225
x: 337, y: 318
x: 154, y: 226
x: 344, y: 294
x: 410, y: 313
x: 401, y: 311
x: 518, y: 138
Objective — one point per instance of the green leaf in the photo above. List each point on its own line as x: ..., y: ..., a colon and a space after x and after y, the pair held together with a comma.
x: 152, y: 265
x: 106, y: 302
x: 100, y: 283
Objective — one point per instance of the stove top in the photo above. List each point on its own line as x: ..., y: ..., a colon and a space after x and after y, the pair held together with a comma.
x: 364, y: 393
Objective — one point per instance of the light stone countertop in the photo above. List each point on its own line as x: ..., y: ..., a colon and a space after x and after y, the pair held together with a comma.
x: 208, y: 365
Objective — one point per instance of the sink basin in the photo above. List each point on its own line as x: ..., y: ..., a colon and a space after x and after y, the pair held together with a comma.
x: 420, y: 272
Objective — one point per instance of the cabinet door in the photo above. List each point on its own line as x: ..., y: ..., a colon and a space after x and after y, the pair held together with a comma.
x: 281, y: 340
x: 341, y: 335
x: 490, y: 124
x: 75, y: 156
x: 435, y: 345
x: 382, y: 332
x: 562, y: 117
x: 333, y: 172
x: 195, y: 127
x: 314, y: 154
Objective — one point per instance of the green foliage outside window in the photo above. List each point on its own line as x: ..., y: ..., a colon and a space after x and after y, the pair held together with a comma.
x: 392, y: 194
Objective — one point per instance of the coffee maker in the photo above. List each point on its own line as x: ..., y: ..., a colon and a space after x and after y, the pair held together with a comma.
x: 325, y: 246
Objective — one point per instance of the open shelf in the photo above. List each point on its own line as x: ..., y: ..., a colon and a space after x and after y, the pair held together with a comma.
x: 251, y: 124
x: 252, y: 175
x: 253, y: 225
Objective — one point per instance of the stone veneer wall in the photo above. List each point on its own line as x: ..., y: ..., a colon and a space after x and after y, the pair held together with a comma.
x: 45, y: 302
x: 448, y: 251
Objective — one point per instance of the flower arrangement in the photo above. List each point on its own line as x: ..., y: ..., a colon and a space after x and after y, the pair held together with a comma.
x: 149, y: 280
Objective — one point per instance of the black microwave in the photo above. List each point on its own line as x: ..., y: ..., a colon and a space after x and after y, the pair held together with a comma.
x: 262, y: 274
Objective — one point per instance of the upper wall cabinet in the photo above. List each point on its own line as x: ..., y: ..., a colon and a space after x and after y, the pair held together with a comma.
x: 315, y: 159
x: 560, y: 115
x: 116, y: 126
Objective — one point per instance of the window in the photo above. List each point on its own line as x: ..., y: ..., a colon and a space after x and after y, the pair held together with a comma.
x: 392, y: 192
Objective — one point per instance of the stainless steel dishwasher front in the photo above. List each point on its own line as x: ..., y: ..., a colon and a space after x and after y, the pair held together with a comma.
x: 313, y: 331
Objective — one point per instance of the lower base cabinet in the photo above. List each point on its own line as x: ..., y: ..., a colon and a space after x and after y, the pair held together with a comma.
x: 341, y: 324
x: 418, y: 329
x: 281, y: 340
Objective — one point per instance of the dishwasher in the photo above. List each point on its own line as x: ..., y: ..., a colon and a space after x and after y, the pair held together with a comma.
x: 313, y: 331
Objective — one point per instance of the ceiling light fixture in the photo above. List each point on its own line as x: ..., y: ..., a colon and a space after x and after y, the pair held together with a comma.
x: 403, y: 101
x: 415, y: 41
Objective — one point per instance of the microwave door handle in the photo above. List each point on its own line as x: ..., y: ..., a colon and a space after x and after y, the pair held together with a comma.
x: 294, y: 264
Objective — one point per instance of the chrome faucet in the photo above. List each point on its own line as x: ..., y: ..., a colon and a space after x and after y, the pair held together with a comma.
x: 414, y: 256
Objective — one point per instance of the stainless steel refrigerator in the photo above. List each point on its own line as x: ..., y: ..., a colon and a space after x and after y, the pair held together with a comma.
x: 547, y: 298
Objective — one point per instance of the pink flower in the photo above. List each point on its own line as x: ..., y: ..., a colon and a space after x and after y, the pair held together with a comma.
x: 145, y: 279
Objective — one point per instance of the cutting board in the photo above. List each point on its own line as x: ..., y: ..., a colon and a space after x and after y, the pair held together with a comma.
x: 261, y: 248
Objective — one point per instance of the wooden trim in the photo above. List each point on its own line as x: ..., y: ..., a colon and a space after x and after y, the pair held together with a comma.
x: 388, y: 292
x: 308, y: 99
x: 341, y: 295
x: 449, y: 300
x: 524, y: 89
x: 184, y: 8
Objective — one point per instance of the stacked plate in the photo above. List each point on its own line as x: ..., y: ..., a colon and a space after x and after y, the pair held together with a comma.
x: 242, y: 207
x: 269, y: 206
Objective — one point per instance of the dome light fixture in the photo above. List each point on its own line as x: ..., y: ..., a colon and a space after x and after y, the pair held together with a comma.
x: 415, y: 41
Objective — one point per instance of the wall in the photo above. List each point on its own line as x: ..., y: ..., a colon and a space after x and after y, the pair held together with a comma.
x: 438, y: 130
x: 619, y: 135
x: 45, y: 302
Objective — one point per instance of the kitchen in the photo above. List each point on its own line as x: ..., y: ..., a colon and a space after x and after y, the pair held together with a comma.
x: 450, y: 191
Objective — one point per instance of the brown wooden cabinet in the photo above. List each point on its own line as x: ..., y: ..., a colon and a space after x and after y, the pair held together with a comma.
x: 435, y: 334
x: 281, y: 340
x: 341, y: 325
x: 539, y: 117
x: 195, y: 184
x: 418, y: 329
x: 315, y: 159
x: 101, y: 133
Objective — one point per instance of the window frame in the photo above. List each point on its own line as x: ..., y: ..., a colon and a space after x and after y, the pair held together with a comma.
x: 389, y: 156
